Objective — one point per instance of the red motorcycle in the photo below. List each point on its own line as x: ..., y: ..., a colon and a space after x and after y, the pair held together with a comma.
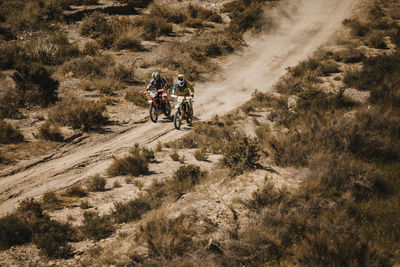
x: 158, y: 103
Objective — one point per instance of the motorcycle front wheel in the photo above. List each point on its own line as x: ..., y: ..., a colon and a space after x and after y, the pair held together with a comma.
x: 189, y: 116
x: 178, y: 119
x: 153, y: 113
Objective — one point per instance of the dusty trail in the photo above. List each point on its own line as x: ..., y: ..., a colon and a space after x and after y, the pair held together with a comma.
x: 259, y: 66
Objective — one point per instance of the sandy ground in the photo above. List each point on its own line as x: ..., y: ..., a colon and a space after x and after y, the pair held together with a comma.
x: 259, y: 66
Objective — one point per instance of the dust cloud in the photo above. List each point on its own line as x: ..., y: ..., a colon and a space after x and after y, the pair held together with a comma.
x: 310, y: 24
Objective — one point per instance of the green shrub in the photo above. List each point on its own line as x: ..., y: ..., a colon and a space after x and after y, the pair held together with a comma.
x: 137, y: 97
x: 135, y: 164
x: 97, y: 227
x: 79, y: 114
x: 9, y: 134
x: 49, y: 131
x: 96, y: 183
x: 131, y: 210
x: 76, y: 191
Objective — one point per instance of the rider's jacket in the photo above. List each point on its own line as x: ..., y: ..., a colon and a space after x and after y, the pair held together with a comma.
x: 185, y: 90
x: 157, y: 84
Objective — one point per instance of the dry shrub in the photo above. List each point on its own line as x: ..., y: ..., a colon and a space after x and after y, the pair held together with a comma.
x: 123, y: 73
x: 8, y: 134
x: 95, y: 25
x: 96, y: 183
x: 51, y: 201
x: 96, y: 66
x: 193, y: 23
x: 174, y: 156
x: 168, y: 238
x: 241, y: 154
x: 376, y: 40
x: 358, y: 29
x: 185, y: 178
x: 91, y: 48
x: 29, y: 223
x: 33, y: 86
x: 153, y: 27
x: 200, y: 155
x: 131, y: 210
x: 49, y: 131
x: 211, y: 43
x: 135, y: 164
x: 129, y: 41
x: 137, y: 97
x: 75, y: 191
x: 32, y: 15
x: 107, y: 86
x: 349, y: 55
x: 170, y: 13
x: 97, y: 227
x: 79, y: 114
x: 203, y: 14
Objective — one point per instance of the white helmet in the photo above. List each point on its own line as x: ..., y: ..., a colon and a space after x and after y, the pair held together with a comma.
x: 181, y: 79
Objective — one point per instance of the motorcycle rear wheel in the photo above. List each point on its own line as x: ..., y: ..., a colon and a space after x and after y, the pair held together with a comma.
x: 178, y: 119
x: 167, y: 111
x: 153, y: 113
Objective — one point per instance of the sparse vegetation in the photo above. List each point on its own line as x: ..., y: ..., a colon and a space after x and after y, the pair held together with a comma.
x: 97, y: 227
x: 76, y: 191
x: 79, y: 114
x: 28, y: 224
x: 49, y: 131
x: 137, y: 97
x: 96, y: 183
x: 200, y: 155
x: 185, y: 178
x: 131, y: 210
x: 9, y: 134
x: 135, y: 164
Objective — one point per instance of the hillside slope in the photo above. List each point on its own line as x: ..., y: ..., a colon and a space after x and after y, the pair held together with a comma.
x: 259, y: 66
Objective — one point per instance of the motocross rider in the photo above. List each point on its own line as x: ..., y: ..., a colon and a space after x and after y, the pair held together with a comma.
x: 157, y: 82
x: 183, y: 88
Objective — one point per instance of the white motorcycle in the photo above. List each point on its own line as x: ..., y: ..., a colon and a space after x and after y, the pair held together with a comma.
x: 183, y: 110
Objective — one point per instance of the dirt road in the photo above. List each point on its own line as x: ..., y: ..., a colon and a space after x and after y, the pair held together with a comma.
x: 310, y: 24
